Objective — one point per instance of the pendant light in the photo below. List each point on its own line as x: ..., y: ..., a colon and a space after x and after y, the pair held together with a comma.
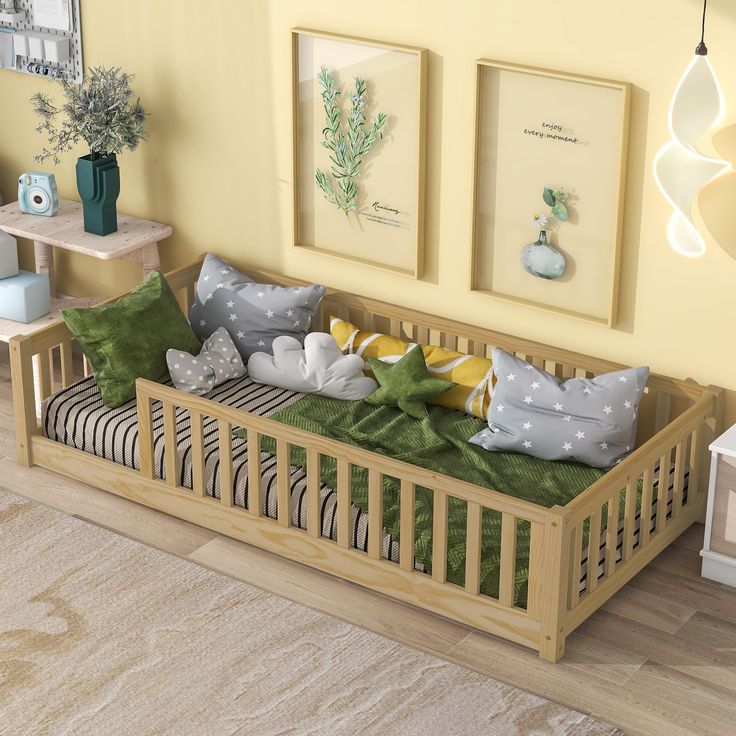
x: 680, y: 169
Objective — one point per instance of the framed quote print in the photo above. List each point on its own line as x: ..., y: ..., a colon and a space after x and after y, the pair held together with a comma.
x: 359, y: 110
x: 549, y: 189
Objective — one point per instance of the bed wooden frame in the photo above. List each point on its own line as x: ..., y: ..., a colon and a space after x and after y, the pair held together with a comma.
x: 678, y: 418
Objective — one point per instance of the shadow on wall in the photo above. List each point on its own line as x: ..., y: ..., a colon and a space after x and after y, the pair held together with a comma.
x: 433, y: 170
x: 636, y: 175
x: 717, y: 199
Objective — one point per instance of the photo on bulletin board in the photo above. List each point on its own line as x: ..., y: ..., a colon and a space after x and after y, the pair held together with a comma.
x: 550, y: 167
x: 359, y: 110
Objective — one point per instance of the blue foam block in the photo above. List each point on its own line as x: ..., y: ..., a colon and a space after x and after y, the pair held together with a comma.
x: 25, y: 297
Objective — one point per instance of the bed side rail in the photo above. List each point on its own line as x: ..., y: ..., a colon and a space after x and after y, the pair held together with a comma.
x: 634, y: 511
x: 542, y: 524
x: 665, y: 397
x: 40, y: 364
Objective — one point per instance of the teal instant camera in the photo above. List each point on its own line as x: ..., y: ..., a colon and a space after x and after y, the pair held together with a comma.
x: 37, y: 194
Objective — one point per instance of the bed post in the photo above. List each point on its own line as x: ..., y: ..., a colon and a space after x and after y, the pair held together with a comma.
x: 24, y: 398
x: 554, y: 595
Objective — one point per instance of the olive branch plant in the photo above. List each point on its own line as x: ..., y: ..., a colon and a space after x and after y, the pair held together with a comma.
x: 347, y: 148
x: 103, y: 112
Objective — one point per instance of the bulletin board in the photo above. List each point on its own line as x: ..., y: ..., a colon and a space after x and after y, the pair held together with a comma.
x: 70, y: 69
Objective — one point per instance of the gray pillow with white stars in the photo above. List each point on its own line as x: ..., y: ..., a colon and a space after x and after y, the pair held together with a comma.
x: 217, y: 362
x: 252, y: 313
x: 533, y: 412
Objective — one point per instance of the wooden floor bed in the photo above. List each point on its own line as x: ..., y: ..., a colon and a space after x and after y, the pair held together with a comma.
x: 677, y: 420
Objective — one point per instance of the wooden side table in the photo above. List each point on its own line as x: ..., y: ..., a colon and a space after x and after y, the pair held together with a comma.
x: 135, y: 240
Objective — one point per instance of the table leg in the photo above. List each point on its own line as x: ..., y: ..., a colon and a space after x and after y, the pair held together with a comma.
x: 44, y: 256
x: 150, y: 259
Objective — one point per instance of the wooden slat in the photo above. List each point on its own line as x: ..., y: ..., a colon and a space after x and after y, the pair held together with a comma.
x: 145, y: 435
x: 189, y: 296
x: 171, y: 451
x: 629, y: 520
x: 225, y: 438
x: 344, y: 495
x: 53, y: 383
x: 43, y: 375
x: 439, y: 536
x: 594, y: 541
x: 422, y: 335
x: 283, y: 482
x: 576, y: 555
x: 314, y: 460
x: 473, y: 548
x: 375, y: 513
x: 67, y: 366
x: 662, y: 412
x: 198, y: 481
x: 645, y: 520
x: 612, y: 533
x: 678, y: 482
x: 407, y: 522
x: 396, y: 328
x: 448, y: 341
x: 537, y: 566
x: 86, y: 367
x: 694, y: 486
x: 663, y: 488
x: 507, y: 574
x: 255, y: 494
x: 366, y: 321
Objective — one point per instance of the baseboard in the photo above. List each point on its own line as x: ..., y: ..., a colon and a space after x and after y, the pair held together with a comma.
x: 718, y: 567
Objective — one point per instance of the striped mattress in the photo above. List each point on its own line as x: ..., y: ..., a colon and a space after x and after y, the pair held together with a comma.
x: 76, y: 416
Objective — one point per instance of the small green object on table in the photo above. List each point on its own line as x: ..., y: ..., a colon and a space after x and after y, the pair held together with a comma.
x: 406, y: 383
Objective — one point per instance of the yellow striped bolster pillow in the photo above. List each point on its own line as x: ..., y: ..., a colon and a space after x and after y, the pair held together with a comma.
x: 472, y: 374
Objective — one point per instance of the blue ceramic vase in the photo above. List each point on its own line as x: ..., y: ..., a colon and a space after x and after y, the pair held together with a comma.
x: 542, y: 260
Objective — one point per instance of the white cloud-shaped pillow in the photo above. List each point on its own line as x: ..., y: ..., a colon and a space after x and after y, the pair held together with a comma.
x: 318, y: 368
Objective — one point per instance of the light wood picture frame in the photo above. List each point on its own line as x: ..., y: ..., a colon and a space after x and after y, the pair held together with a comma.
x: 363, y: 203
x: 538, y: 129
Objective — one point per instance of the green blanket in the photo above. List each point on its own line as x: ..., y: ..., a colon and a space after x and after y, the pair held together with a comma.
x: 438, y: 443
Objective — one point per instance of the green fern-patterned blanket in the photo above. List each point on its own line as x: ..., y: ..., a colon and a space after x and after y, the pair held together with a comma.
x: 438, y: 443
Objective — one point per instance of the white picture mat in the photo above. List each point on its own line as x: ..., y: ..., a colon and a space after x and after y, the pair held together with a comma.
x: 385, y: 230
x: 515, y: 164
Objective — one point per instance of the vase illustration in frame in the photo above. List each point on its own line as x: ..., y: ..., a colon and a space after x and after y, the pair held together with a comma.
x: 537, y: 128
x: 359, y: 137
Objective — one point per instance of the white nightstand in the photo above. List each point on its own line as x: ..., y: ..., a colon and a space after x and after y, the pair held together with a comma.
x: 719, y: 549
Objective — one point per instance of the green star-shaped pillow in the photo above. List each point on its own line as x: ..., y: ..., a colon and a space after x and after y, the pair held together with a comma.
x: 406, y: 384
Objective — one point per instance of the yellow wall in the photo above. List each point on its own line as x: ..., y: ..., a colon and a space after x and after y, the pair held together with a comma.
x: 218, y: 163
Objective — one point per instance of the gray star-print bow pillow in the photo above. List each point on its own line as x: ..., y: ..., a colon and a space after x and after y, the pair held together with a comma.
x: 217, y: 362
x: 252, y: 313
x: 533, y: 412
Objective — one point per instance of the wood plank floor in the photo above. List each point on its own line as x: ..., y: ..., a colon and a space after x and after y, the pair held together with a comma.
x: 659, y: 659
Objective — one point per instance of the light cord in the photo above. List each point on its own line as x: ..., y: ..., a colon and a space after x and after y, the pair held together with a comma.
x: 702, y: 49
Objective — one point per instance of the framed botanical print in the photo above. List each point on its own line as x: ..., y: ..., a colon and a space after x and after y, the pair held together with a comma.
x: 359, y: 136
x: 550, y: 167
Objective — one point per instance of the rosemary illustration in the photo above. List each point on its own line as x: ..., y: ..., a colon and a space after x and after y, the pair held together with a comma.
x: 347, y: 149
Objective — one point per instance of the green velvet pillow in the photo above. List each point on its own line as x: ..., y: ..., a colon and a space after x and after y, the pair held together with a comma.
x: 406, y: 383
x: 128, y: 339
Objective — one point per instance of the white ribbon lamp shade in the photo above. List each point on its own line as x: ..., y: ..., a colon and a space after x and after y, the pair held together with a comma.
x: 680, y: 169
